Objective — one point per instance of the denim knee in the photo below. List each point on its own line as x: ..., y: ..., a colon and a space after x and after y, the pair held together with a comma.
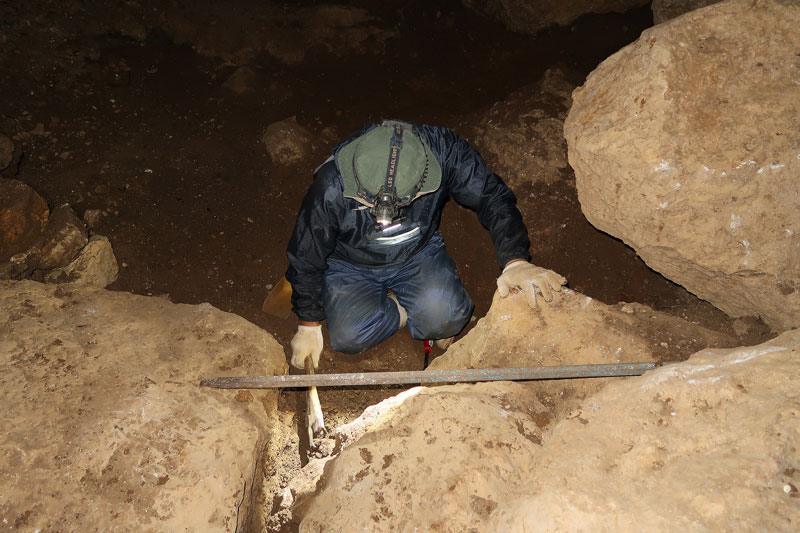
x: 346, y: 344
x: 354, y: 336
x: 438, y: 318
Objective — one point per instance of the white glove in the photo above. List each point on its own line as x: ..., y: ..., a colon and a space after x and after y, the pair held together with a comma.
x: 527, y: 277
x: 307, y: 342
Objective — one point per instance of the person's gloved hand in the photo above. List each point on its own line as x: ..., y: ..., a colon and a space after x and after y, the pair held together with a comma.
x: 307, y: 342
x: 527, y: 277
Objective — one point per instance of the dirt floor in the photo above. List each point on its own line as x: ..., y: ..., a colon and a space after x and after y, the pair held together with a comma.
x: 195, y: 209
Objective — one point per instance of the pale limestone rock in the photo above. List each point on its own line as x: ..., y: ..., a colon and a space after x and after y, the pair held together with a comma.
x: 530, y: 16
x: 710, y: 444
x: 95, y: 265
x: 437, y: 459
x: 287, y: 141
x: 705, y: 445
x: 522, y: 136
x: 105, y: 427
x: 685, y: 145
x: 574, y: 330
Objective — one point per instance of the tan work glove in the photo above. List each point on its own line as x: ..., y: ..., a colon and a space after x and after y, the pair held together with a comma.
x: 527, y: 277
x: 307, y: 342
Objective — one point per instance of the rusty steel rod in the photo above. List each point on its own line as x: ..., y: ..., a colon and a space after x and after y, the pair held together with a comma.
x: 429, y: 376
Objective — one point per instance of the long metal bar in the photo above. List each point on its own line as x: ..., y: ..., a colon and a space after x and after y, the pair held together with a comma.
x: 429, y: 376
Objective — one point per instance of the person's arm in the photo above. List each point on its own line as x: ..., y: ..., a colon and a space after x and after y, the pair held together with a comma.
x: 312, y: 241
x: 474, y: 186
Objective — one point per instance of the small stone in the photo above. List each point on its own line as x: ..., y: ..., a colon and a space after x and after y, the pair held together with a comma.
x: 92, y: 217
x: 244, y: 396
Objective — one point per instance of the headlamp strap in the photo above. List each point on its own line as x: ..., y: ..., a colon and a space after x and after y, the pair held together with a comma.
x: 395, y: 145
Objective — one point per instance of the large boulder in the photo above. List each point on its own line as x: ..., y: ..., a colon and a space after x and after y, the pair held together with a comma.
x: 530, y: 16
x: 709, y: 444
x: 435, y: 459
x: 712, y: 444
x: 685, y: 146
x: 574, y: 330
x: 104, y: 425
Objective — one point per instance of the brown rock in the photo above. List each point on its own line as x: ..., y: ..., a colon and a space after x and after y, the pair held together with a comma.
x: 685, y: 146
x: 522, y: 137
x: 527, y: 16
x: 339, y: 29
x: 242, y: 81
x: 23, y: 217
x: 6, y: 151
x: 664, y: 10
x: 104, y: 425
x: 93, y: 218
x: 286, y: 32
x: 61, y: 242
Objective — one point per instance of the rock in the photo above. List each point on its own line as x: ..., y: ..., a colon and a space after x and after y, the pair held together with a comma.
x: 62, y: 240
x: 704, y: 445
x: 574, y: 330
x: 105, y: 426
x: 522, y: 136
x: 664, y: 10
x: 92, y: 218
x: 439, y: 459
x: 242, y: 81
x: 95, y: 265
x: 23, y: 217
x: 6, y: 151
x: 287, y: 141
x: 684, y: 146
x: 525, y: 16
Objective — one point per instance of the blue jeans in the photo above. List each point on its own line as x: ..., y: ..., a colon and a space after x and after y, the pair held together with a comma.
x: 360, y: 315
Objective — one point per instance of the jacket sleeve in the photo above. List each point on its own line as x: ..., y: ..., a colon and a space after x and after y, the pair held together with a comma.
x: 473, y: 185
x: 312, y: 241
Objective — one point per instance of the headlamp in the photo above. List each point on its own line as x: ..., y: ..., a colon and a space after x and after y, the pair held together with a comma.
x: 386, y: 204
x: 385, y: 208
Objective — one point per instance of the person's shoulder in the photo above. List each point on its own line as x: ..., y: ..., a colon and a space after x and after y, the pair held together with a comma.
x: 440, y: 139
x: 327, y: 175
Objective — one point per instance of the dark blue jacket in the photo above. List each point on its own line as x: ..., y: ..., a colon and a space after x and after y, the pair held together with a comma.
x: 330, y: 225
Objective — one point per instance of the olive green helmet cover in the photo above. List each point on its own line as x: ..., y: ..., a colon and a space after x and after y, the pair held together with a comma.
x: 366, y: 158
